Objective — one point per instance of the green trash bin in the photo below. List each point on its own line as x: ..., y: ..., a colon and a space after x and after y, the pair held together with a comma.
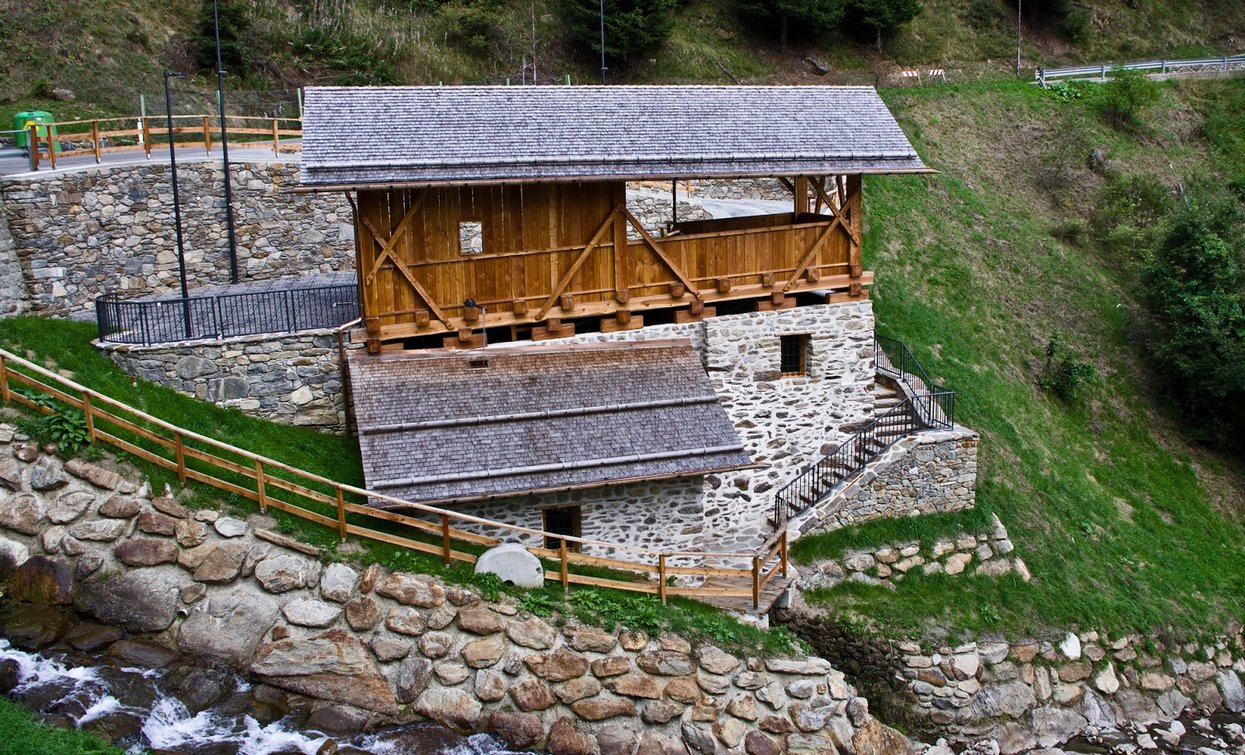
x: 22, y: 122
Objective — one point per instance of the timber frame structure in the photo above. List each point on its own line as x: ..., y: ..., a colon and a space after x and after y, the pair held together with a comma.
x: 505, y: 208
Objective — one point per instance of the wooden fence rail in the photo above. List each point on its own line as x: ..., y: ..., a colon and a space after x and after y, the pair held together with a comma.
x: 344, y: 508
x: 143, y: 134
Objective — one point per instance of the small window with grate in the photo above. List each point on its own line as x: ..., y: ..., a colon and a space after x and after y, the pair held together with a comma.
x: 562, y: 521
x: 794, y: 351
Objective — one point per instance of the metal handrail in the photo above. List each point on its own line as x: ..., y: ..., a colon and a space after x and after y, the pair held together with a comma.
x: 224, y: 315
x: 1102, y: 70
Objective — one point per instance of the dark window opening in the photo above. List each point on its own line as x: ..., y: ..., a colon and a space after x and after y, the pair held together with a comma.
x: 794, y: 351
x: 562, y: 521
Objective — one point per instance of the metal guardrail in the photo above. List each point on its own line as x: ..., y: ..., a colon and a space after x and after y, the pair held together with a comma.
x: 1103, y: 70
x: 222, y: 315
x: 927, y: 406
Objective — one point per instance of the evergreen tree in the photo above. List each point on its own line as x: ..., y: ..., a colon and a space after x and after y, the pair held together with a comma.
x: 234, y: 25
x: 882, y: 15
x: 814, y: 16
x: 631, y: 26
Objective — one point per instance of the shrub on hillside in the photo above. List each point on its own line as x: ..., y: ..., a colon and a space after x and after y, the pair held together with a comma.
x: 1126, y: 97
x: 631, y: 26
x: 1064, y: 374
x: 237, y: 55
x: 1194, y: 288
x: 1130, y: 213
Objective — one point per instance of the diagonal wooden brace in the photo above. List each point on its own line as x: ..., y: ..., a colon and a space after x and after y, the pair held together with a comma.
x: 579, y: 263
x: 661, y: 254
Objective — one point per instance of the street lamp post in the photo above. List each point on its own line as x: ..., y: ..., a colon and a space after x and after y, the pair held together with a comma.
x: 177, y: 211
x: 224, y: 148
x: 602, y: 41
x: 1018, y: 19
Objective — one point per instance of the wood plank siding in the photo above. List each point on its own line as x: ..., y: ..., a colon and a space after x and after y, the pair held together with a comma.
x: 555, y: 251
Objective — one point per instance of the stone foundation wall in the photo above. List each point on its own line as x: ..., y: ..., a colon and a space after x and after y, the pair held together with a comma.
x: 79, y: 234
x: 356, y: 646
x: 663, y: 515
x: 294, y: 378
x: 13, y: 295
x: 925, y: 473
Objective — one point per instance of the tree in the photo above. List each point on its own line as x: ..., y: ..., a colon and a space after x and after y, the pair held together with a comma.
x: 814, y: 16
x: 1194, y: 287
x: 234, y: 25
x: 631, y: 26
x: 882, y: 15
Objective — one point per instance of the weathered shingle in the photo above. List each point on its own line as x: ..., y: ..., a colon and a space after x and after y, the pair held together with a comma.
x: 366, y: 135
x: 434, y: 427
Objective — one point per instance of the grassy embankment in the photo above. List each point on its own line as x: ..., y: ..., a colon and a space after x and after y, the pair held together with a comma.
x: 1124, y: 524
x: 65, y: 346
x: 25, y: 734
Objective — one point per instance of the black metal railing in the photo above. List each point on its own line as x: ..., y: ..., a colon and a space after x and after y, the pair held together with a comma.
x: 224, y: 314
x: 927, y: 406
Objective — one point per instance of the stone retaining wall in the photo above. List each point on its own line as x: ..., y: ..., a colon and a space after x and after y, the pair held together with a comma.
x: 925, y: 473
x: 81, y: 233
x: 294, y: 378
x: 989, y: 554
x: 13, y: 294
x: 742, y: 188
x: 363, y: 647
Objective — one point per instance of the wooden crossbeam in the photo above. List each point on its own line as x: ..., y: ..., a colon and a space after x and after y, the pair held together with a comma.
x: 578, y: 263
x: 809, y: 256
x: 661, y: 253
x: 389, y: 244
x: 402, y: 268
x: 823, y: 196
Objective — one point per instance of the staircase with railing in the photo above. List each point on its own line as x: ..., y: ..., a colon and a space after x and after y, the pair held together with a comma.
x: 925, y: 406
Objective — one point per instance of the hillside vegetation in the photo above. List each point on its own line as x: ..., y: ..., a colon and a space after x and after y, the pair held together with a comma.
x: 108, y: 53
x: 1124, y: 523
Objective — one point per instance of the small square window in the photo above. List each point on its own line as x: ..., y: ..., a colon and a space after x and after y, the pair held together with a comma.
x: 794, y: 350
x: 562, y: 521
x: 470, y: 237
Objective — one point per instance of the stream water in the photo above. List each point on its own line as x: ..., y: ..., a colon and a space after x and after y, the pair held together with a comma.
x: 132, y: 707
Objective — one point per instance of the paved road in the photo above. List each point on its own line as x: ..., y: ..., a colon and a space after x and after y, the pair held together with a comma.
x: 16, y: 162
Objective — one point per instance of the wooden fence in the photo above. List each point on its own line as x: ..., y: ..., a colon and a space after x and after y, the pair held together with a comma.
x: 341, y: 507
x: 141, y: 134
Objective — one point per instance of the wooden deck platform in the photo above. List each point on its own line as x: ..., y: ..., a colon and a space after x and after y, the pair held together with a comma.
x: 769, y: 595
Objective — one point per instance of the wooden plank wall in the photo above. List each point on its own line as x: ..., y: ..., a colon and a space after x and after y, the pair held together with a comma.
x: 534, y: 235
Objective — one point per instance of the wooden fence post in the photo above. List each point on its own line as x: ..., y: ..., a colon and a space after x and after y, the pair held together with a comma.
x: 95, y: 139
x: 4, y: 380
x: 259, y: 486
x: 445, y: 539
x: 783, y: 540
x: 276, y: 139
x: 33, y: 141
x: 661, y: 575
x: 147, y: 136
x: 181, y: 458
x: 207, y: 136
x: 341, y: 514
x: 566, y: 576
x: 89, y: 415
x: 51, y: 147
x: 756, y: 581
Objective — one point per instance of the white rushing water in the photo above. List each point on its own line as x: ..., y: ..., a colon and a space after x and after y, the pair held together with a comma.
x: 168, y: 725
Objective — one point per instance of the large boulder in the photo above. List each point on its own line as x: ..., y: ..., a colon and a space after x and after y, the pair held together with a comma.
x: 284, y: 572
x: 42, y: 580
x: 22, y: 513
x: 451, y: 707
x: 416, y: 590
x: 228, y: 627
x: 333, y: 666
x: 145, y: 600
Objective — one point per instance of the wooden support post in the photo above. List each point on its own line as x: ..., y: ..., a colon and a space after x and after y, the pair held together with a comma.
x: 661, y: 575
x: 181, y: 458
x: 259, y: 487
x: 445, y: 539
x: 4, y: 381
x: 95, y: 139
x: 147, y: 136
x: 756, y: 582
x: 89, y: 415
x: 33, y: 140
x: 341, y: 515
x: 855, y: 225
x: 782, y: 548
x: 207, y: 135
x: 800, y: 205
x: 51, y: 147
x: 276, y: 139
x: 566, y: 575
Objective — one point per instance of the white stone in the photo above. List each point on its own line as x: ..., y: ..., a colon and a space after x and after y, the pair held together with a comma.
x: 514, y: 564
x: 1071, y: 647
x: 227, y: 526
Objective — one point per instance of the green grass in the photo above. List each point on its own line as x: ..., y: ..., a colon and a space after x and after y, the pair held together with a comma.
x: 923, y: 529
x: 25, y: 734
x: 1123, y: 523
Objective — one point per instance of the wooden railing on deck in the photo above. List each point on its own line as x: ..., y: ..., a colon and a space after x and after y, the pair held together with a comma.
x: 274, y: 485
x: 150, y: 133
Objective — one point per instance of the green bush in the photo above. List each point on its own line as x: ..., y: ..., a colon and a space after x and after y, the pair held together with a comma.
x: 65, y: 426
x: 1126, y: 97
x: 1130, y: 212
x: 1194, y: 288
x: 355, y: 56
x: 1077, y: 25
x: 1064, y: 374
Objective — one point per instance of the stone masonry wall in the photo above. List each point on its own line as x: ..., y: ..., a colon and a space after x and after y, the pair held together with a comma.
x: 294, y: 378
x: 81, y: 233
x: 663, y: 515
x: 13, y: 295
x: 355, y: 646
x: 742, y: 188
x: 925, y: 473
x: 654, y: 211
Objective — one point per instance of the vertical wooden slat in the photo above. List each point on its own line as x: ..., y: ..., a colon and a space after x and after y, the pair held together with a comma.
x: 181, y: 458
x: 341, y: 514
x: 259, y: 487
x: 661, y: 575
x: 756, y: 582
x: 95, y: 139
x: 566, y: 576
x: 445, y: 538
x: 89, y: 415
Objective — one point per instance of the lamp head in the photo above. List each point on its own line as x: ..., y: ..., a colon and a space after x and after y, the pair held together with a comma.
x: 470, y: 304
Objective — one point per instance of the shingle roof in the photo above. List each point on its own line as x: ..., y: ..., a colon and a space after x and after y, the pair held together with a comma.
x: 413, y: 135
x: 433, y: 427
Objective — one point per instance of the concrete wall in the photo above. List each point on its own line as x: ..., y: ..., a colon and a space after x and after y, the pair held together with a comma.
x: 79, y: 234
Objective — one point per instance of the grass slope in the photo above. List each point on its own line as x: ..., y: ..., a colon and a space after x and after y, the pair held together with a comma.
x: 25, y: 734
x: 1124, y: 525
